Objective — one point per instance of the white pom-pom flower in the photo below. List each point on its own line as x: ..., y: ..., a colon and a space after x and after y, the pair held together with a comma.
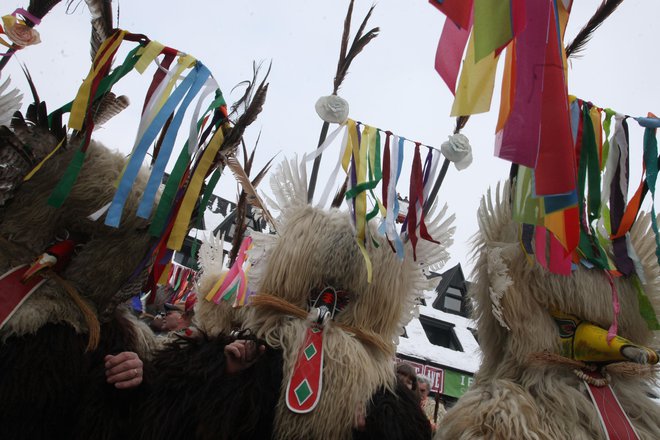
x: 332, y: 109
x: 458, y: 150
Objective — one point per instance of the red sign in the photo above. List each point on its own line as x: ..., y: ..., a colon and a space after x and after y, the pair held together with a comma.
x: 437, y: 377
x: 419, y: 368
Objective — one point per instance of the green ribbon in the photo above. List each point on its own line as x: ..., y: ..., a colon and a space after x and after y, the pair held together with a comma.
x: 208, y: 192
x: 167, y: 198
x: 526, y: 208
x: 64, y: 186
x: 193, y: 252
x: 106, y: 83
x: 588, y: 166
x: 607, y: 123
x: 645, y: 306
x: 173, y: 182
x: 651, y: 162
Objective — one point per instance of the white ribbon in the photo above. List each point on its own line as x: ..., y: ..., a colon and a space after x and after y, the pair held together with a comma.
x: 210, y: 86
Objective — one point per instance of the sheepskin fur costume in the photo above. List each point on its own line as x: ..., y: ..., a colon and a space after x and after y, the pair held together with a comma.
x: 191, y: 396
x: 516, y: 398
x: 51, y: 385
x: 313, y: 248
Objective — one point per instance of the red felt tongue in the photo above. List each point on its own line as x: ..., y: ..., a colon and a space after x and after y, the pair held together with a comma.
x: 303, y: 391
x: 613, y: 419
x: 13, y: 292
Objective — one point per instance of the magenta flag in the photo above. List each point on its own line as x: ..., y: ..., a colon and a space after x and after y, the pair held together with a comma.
x: 519, y: 140
x: 450, y: 50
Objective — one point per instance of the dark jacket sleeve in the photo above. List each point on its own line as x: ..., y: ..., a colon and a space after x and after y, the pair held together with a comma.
x: 193, y: 398
x: 395, y: 417
x: 41, y: 378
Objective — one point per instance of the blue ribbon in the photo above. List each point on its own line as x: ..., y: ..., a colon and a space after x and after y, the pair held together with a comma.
x: 649, y: 122
x: 398, y: 244
x: 113, y: 217
x: 199, y: 76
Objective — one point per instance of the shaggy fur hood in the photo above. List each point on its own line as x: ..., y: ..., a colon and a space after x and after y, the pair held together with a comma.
x: 102, y: 269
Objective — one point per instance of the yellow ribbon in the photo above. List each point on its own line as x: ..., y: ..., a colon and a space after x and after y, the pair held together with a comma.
x: 361, y: 163
x: 185, y: 62
x: 352, y: 145
x: 165, y: 275
x: 81, y: 102
x: 40, y: 164
x: 373, y: 145
x: 216, y: 286
x: 183, y: 216
x: 148, y: 54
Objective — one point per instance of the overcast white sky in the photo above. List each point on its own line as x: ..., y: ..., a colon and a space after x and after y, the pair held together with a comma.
x: 391, y: 85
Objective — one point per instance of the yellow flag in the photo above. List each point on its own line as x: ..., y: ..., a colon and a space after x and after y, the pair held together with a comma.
x: 475, y: 87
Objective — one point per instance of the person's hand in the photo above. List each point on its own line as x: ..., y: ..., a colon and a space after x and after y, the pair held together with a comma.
x: 124, y: 370
x: 240, y: 354
x: 360, y: 419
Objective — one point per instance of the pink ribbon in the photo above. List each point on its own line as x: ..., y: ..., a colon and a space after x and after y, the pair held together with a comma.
x: 27, y: 15
x: 236, y: 272
x: 616, y: 308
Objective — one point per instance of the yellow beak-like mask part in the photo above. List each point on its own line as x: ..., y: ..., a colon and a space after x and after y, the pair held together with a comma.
x: 587, y: 342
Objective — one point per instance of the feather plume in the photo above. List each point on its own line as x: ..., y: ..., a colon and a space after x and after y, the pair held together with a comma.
x: 606, y: 8
x: 101, y: 11
x: 359, y: 43
x: 341, y: 193
x: 344, y: 62
x: 344, y: 38
x: 239, y: 173
x: 33, y: 88
x: 10, y: 102
x: 288, y: 184
x: 108, y: 107
x: 101, y: 19
x: 261, y: 174
x: 253, y: 101
x: 244, y: 199
x: 211, y: 253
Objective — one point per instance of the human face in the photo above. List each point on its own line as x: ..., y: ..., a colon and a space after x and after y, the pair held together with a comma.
x: 406, y: 380
x: 158, y: 324
x: 172, y: 319
x: 423, y: 390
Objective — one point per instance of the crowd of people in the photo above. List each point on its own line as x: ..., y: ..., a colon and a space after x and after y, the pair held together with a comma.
x: 176, y: 321
x: 172, y: 317
x: 420, y: 385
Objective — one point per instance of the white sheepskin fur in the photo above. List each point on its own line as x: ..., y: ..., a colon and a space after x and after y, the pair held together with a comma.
x: 314, y: 248
x: 512, y: 296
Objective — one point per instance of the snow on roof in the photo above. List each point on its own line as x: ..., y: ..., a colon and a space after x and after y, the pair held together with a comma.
x: 417, y: 344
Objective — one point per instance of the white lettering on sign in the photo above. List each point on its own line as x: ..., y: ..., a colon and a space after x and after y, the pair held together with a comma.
x: 466, y: 381
x: 437, y: 376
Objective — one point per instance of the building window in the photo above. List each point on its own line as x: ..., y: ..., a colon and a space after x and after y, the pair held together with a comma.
x: 452, y: 301
x: 440, y: 333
